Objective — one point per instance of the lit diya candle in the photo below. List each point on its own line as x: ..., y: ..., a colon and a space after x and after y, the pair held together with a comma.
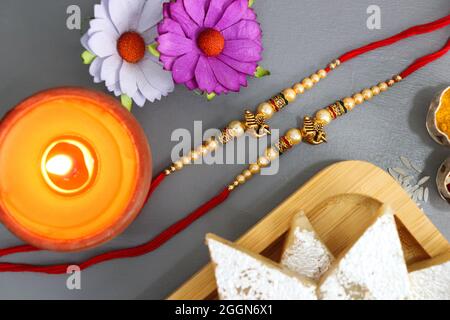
x: 75, y: 169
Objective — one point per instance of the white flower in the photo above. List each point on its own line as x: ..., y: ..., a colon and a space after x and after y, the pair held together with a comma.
x: 118, y: 36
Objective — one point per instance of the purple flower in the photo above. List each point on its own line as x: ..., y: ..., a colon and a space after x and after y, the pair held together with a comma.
x: 211, y: 45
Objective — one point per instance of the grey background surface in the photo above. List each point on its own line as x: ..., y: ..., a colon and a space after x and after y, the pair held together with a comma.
x: 37, y: 51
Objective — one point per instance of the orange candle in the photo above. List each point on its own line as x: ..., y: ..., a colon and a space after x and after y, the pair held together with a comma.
x: 75, y: 169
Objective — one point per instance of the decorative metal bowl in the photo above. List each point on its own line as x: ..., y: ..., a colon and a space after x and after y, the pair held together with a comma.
x: 439, y: 136
x: 443, y: 180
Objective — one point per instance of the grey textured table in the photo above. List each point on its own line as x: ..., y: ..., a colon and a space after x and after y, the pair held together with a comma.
x: 37, y: 51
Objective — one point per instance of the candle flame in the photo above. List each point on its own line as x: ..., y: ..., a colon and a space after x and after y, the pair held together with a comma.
x: 60, y: 165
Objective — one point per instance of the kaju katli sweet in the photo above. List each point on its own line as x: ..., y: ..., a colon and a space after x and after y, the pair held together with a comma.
x: 312, y: 132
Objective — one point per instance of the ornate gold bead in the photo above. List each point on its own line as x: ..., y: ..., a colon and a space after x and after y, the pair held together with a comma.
x: 266, y: 110
x: 322, y: 73
x: 254, y: 168
x: 390, y: 83
x: 263, y: 162
x: 349, y: 103
x: 240, y: 179
x: 307, y: 83
x: 178, y: 165
x: 375, y: 90
x: 271, y: 153
x: 298, y: 88
x: 383, y: 86
x: 235, y: 183
x: 231, y: 187
x: 332, y: 65
x: 367, y: 94
x: 167, y: 172
x: 247, y: 174
x: 324, y: 116
x: 315, y: 78
x: 289, y: 94
x: 236, y: 128
x: 359, y: 98
x: 294, y: 136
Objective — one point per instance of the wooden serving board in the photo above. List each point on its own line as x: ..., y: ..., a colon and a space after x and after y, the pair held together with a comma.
x: 340, y: 202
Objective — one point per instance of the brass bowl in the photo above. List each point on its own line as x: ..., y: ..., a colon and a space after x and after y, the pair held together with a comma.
x: 443, y: 180
x: 439, y: 136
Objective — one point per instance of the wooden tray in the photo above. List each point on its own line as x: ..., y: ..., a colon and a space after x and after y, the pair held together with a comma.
x: 340, y: 202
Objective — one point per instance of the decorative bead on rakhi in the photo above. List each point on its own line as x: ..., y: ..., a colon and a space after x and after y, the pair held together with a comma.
x: 278, y: 102
x: 313, y: 131
x: 256, y: 124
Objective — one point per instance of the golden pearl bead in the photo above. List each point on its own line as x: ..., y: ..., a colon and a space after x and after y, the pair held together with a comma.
x: 322, y: 73
x: 367, y: 94
x: 254, y: 168
x: 178, y: 165
x: 383, y: 86
x: 231, y: 187
x: 298, y: 88
x: 266, y: 110
x: 263, y: 162
x: 194, y: 155
x: 294, y: 136
x: 307, y: 83
x: 349, y: 103
x: 390, y: 83
x: 271, y: 153
x: 332, y: 66
x: 212, y: 145
x: 315, y: 78
x: 240, y: 179
x: 289, y: 94
x: 359, y: 98
x: 202, y: 150
x: 398, y: 78
x: 247, y: 174
x: 375, y: 90
x: 186, y: 160
x: 235, y: 183
x: 237, y: 128
x: 324, y: 116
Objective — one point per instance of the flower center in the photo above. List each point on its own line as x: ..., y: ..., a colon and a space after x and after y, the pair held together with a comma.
x: 211, y: 42
x: 131, y: 47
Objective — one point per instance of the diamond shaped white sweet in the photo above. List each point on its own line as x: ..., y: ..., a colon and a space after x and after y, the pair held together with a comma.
x: 430, y: 280
x: 304, y: 252
x: 242, y: 275
x: 373, y: 268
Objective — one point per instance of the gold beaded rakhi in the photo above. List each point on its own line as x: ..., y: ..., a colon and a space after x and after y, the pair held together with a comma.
x: 312, y: 132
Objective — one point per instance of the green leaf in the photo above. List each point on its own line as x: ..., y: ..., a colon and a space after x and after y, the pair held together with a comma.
x: 261, y: 72
x: 152, y: 48
x: 250, y: 3
x: 127, y: 102
x: 88, y: 57
x: 210, y: 96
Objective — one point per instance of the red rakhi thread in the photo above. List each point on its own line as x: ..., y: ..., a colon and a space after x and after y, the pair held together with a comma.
x: 145, y: 248
x: 423, y: 61
x: 179, y: 226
